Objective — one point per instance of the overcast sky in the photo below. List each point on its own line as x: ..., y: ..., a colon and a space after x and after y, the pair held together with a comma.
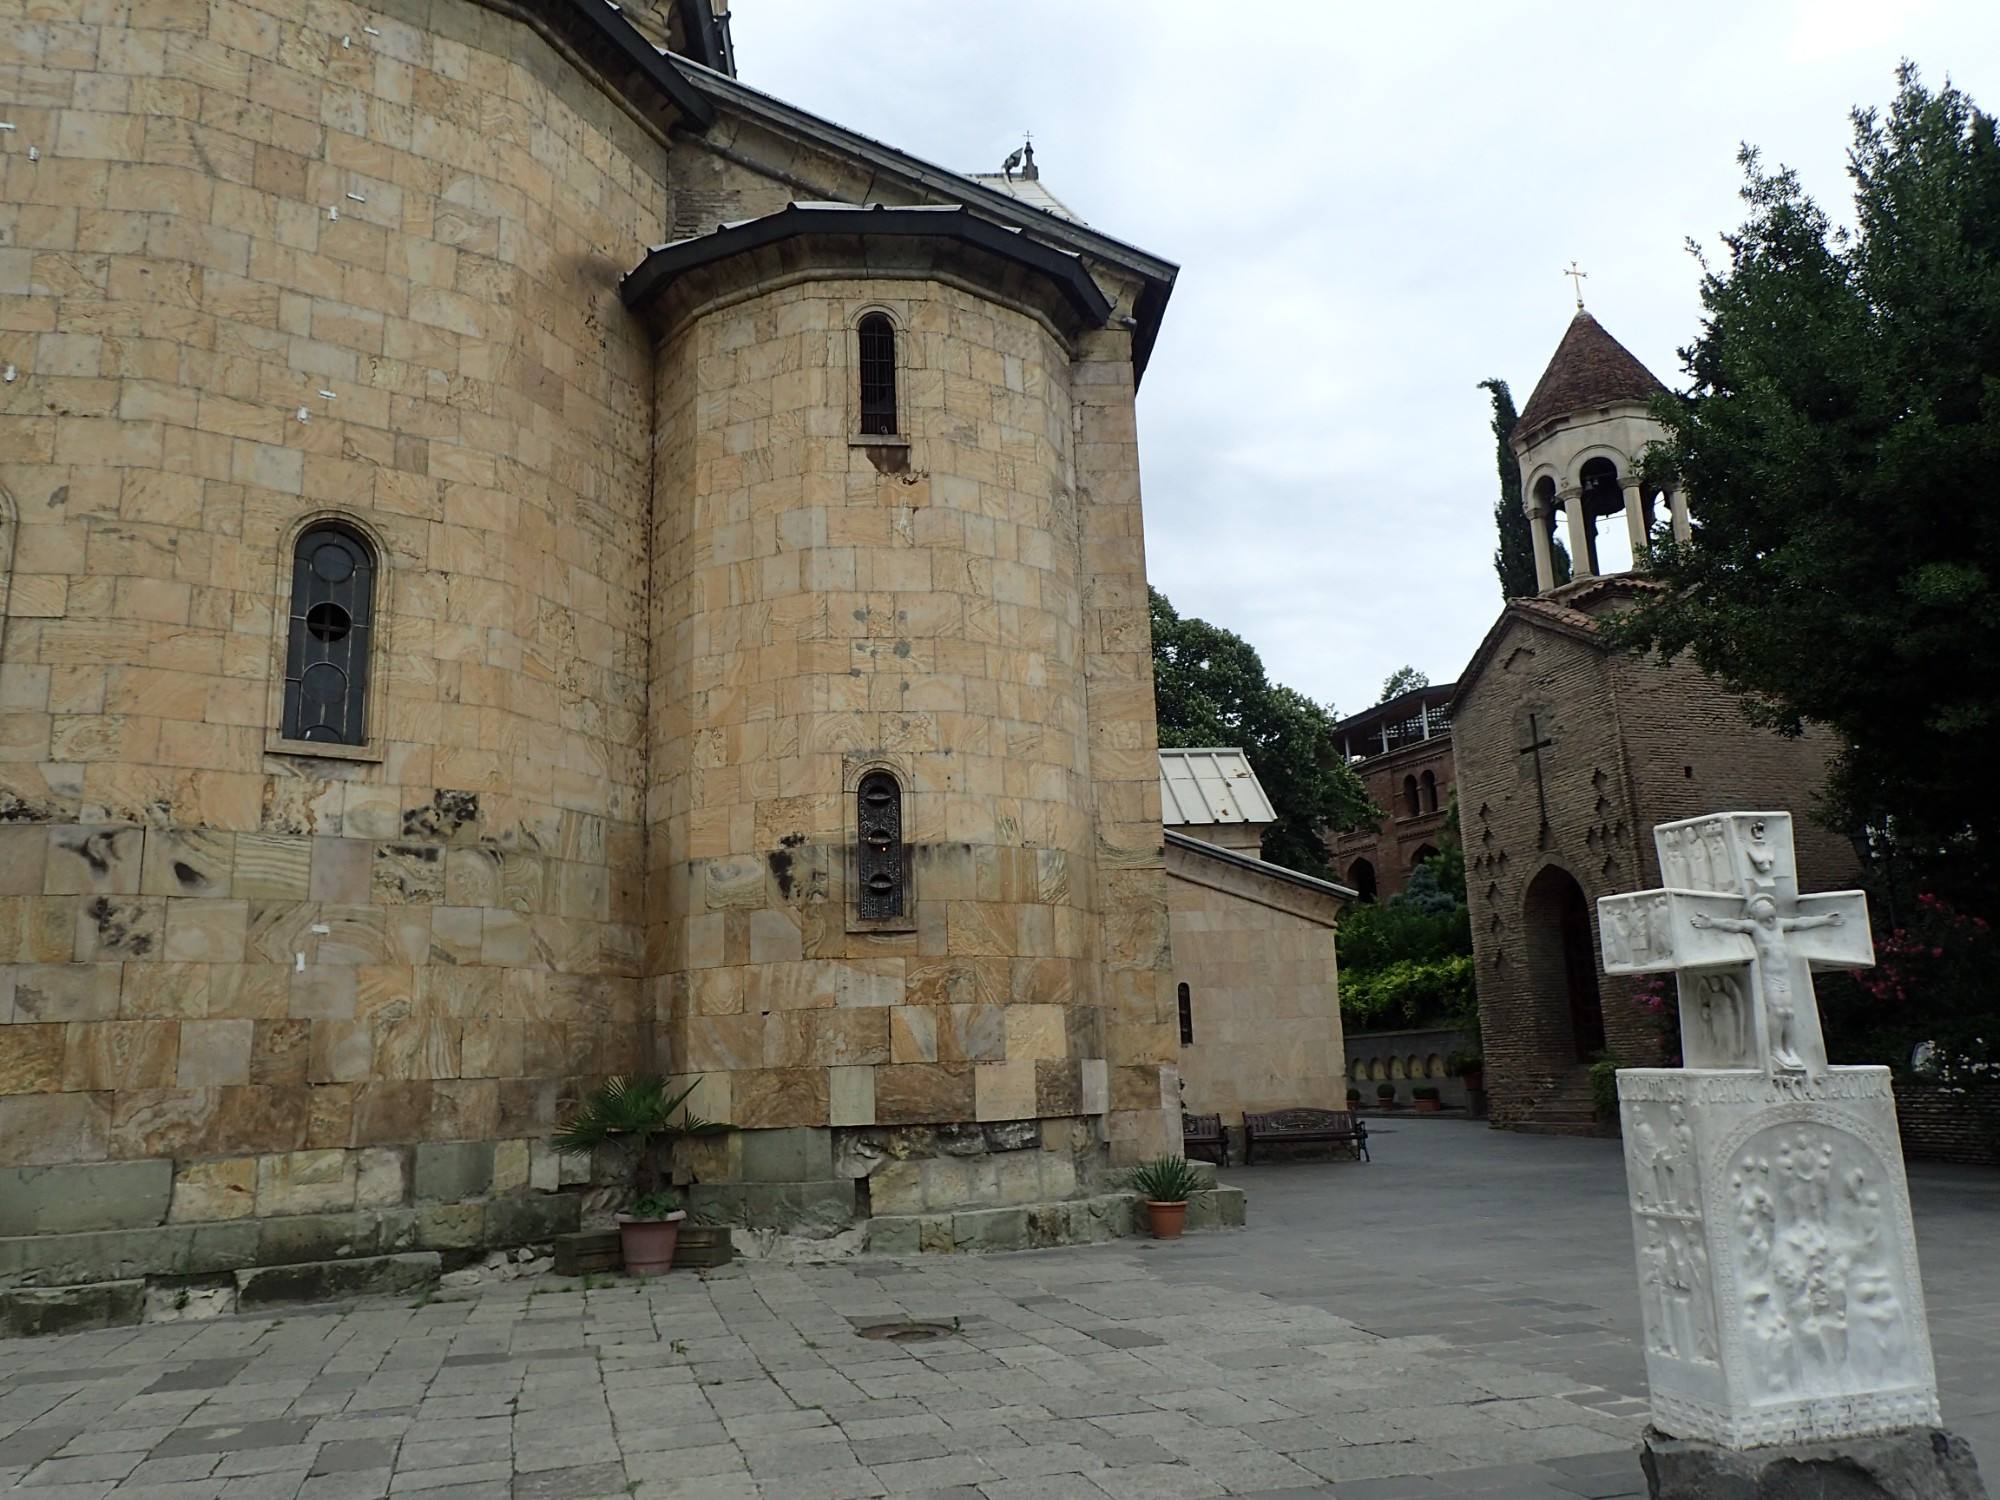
x: 1371, y: 207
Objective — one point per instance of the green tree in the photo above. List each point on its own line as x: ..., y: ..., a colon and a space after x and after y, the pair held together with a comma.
x: 1840, y: 440
x: 1514, y: 559
x: 1209, y: 688
x: 1401, y: 681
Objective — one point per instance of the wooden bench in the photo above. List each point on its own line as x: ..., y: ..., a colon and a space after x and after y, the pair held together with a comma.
x: 1302, y: 1127
x: 1205, y: 1133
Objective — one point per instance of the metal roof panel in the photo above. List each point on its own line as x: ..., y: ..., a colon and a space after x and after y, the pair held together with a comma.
x: 1211, y: 785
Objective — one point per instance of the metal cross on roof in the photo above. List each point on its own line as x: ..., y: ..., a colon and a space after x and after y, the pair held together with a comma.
x: 1577, y: 278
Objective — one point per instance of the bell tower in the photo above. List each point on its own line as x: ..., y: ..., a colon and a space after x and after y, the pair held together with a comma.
x: 1579, y: 441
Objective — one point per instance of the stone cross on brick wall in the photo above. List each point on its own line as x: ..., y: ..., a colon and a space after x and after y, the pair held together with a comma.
x: 1777, y: 1262
x: 1732, y: 924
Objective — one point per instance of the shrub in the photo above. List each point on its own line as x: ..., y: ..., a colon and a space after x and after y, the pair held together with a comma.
x: 1604, y: 1086
x: 1411, y: 992
x: 1425, y: 1091
x: 1354, y: 1096
x: 1932, y: 983
x: 1385, y: 1091
x: 1168, y: 1180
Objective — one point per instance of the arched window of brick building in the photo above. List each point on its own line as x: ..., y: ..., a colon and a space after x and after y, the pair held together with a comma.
x: 1430, y: 783
x: 332, y: 624
x: 1361, y: 875
x: 1412, y: 801
x: 878, y: 375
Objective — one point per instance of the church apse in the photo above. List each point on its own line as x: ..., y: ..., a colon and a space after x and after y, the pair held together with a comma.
x: 879, y: 908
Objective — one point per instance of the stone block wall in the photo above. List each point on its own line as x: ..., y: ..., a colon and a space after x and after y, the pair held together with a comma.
x: 827, y: 606
x: 1257, y: 956
x: 269, y: 266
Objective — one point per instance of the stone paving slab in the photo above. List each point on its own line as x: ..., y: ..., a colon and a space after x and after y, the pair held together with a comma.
x: 1061, y: 1375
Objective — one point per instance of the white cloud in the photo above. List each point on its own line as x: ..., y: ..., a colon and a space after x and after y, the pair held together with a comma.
x: 1371, y: 207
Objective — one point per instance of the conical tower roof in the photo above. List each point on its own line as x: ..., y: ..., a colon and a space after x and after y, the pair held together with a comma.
x: 1590, y: 369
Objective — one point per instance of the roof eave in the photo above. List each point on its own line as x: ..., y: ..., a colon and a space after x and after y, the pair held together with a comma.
x: 1066, y: 272
x: 1259, y: 866
x: 602, y: 37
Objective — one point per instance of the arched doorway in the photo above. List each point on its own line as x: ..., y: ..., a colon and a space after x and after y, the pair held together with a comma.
x: 1562, y: 958
x: 1361, y: 875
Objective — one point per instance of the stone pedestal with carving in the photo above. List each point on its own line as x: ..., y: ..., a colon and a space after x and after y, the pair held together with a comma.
x: 1919, y: 1463
x: 1777, y: 1262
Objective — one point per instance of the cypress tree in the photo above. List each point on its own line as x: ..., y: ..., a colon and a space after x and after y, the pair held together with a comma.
x: 1514, y: 559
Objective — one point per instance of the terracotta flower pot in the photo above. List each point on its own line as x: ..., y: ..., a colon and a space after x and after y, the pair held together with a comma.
x: 649, y: 1243
x: 1475, y: 1080
x: 1429, y: 1106
x: 1167, y: 1219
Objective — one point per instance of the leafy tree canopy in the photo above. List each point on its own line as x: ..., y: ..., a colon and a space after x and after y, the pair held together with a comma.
x: 1840, y: 441
x: 1401, y: 681
x: 1210, y: 689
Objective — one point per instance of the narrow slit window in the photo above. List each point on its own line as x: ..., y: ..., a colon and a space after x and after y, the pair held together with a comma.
x: 332, y: 621
x: 880, y: 824
x: 1187, y: 1018
x: 878, y: 376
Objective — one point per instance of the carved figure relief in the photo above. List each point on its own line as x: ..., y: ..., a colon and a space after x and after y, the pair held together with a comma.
x: 1773, y: 970
x: 1816, y: 1268
x: 1662, y: 1150
x: 1722, y: 1020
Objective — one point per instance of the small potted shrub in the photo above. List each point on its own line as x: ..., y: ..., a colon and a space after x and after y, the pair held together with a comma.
x: 638, y: 1116
x: 1353, y: 1096
x: 1470, y: 1067
x: 1385, y: 1095
x: 1165, y: 1185
x: 1427, y: 1098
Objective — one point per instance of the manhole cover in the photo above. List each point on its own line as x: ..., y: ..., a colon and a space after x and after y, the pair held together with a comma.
x: 906, y: 1332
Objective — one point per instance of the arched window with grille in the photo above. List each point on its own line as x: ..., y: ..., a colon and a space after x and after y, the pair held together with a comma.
x: 879, y: 823
x: 332, y: 624
x: 878, y: 376
x: 1187, y: 1017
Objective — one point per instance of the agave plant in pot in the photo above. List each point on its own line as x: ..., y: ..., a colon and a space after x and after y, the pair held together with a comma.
x: 638, y: 1116
x: 1165, y: 1186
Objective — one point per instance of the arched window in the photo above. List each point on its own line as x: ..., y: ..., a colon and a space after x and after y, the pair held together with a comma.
x: 332, y: 622
x: 1411, y: 805
x: 1430, y: 791
x: 1361, y: 875
x: 879, y: 822
x: 878, y: 375
x: 1187, y: 1018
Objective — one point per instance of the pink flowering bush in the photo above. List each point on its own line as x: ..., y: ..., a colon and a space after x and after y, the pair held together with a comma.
x: 1936, y: 980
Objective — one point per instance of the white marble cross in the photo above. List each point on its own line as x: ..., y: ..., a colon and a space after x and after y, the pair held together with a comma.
x: 1732, y: 926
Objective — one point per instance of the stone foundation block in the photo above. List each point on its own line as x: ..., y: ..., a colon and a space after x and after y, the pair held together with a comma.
x: 29, y: 1312
x: 1918, y: 1463
x: 804, y: 1208
x: 451, y: 1171
x: 1218, y: 1208
x: 323, y: 1280
x: 523, y: 1217
x: 895, y: 1234
x: 84, y: 1197
x: 800, y: 1154
x: 990, y: 1229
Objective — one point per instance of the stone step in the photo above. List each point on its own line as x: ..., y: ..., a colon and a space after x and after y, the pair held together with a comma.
x: 1036, y: 1226
x: 327, y: 1280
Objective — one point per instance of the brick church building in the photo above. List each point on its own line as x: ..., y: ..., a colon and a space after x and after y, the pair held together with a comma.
x: 1567, y: 752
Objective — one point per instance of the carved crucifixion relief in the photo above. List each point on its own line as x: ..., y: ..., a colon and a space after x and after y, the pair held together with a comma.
x: 1777, y: 1261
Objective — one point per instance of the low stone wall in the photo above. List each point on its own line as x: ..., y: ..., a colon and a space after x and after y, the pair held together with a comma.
x: 1386, y: 1056
x: 1948, y: 1124
x: 1040, y: 1226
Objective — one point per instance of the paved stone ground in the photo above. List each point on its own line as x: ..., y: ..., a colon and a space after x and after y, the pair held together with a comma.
x: 1453, y: 1320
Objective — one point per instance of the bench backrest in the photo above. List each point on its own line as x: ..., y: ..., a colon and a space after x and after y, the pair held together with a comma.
x: 1288, y: 1121
x: 1201, y: 1127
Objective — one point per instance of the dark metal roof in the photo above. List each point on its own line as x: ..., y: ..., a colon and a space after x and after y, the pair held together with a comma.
x: 1065, y: 271
x: 1590, y: 369
x: 634, y: 66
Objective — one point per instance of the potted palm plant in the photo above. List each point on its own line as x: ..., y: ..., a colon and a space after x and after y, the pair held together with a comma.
x: 637, y: 1116
x: 1165, y: 1186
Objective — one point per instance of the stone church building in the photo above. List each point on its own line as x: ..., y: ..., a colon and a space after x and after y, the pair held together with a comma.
x: 1567, y: 752
x: 526, y: 558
